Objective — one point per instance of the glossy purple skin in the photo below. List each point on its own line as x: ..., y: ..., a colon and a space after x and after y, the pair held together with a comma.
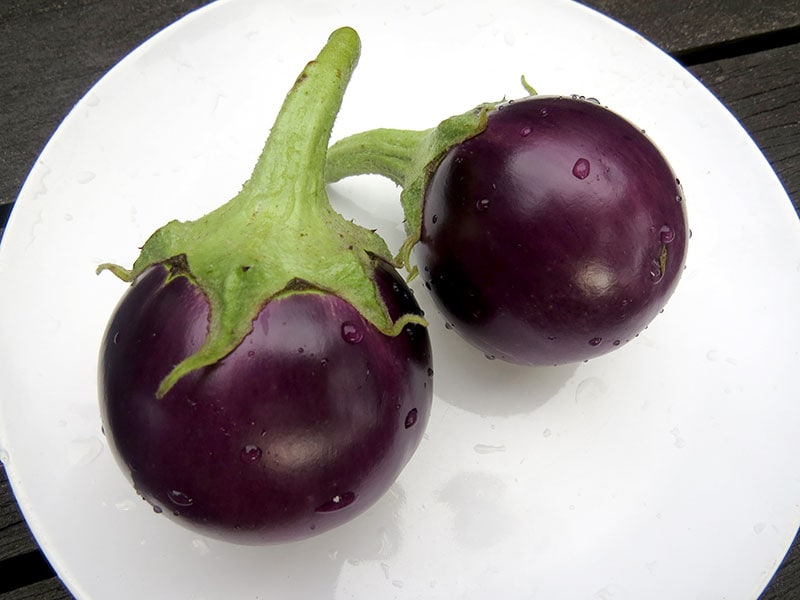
x: 300, y: 429
x: 542, y: 237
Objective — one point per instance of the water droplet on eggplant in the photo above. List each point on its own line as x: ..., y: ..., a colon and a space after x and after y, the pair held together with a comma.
x: 351, y: 333
x: 656, y: 274
x: 411, y: 418
x: 482, y: 204
x: 338, y: 502
x: 250, y: 454
x: 179, y: 498
x: 581, y: 168
x: 525, y: 131
x: 666, y: 234
x: 595, y: 341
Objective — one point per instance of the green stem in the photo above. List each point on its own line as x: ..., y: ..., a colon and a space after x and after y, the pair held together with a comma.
x: 386, y: 152
x: 298, y: 142
x: 279, y: 236
x: 406, y: 157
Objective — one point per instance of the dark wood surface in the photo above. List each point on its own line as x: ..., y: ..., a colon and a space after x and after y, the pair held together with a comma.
x: 52, y: 51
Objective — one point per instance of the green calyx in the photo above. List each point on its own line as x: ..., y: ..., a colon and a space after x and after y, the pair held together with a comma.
x: 279, y: 235
x: 409, y: 158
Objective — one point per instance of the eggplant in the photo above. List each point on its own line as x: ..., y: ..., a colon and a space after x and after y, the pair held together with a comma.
x: 548, y: 229
x: 268, y: 374
x: 305, y: 424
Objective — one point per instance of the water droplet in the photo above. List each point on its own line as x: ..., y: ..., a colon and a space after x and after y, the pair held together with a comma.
x: 666, y: 234
x: 323, y: 361
x: 434, y: 219
x: 116, y: 338
x: 301, y: 350
x: 251, y: 353
x: 200, y: 546
x: 490, y: 356
x: 593, y: 100
x: 448, y: 325
x: 616, y: 342
x: 581, y: 168
x: 677, y: 181
x: 590, y: 389
x: 482, y: 204
x: 125, y: 505
x: 430, y: 372
x: 595, y: 341
x: 250, y: 454
x: 351, y: 333
x: 411, y: 418
x: 655, y: 271
x: 543, y: 112
x: 85, y: 177
x: 157, y: 509
x: 487, y: 449
x: 338, y: 502
x: 83, y: 451
x: 678, y: 198
x: 179, y: 498
x: 551, y: 338
x: 678, y: 442
x: 525, y: 131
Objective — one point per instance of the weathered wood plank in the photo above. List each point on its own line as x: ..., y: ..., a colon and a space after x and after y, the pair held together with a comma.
x: 49, y: 589
x: 680, y: 25
x: 15, y: 537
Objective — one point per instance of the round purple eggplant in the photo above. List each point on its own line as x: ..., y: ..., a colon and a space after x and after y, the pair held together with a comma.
x: 555, y: 235
x: 549, y: 230
x: 302, y: 427
x: 268, y: 374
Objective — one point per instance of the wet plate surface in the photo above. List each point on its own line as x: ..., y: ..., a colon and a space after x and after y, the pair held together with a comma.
x: 663, y: 470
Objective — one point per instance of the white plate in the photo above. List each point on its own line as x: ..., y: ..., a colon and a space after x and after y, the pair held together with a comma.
x: 664, y: 470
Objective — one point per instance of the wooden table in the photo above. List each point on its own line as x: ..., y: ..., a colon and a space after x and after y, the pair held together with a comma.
x: 51, y: 51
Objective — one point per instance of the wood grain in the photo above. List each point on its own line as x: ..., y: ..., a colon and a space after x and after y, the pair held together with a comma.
x: 15, y: 537
x: 680, y: 25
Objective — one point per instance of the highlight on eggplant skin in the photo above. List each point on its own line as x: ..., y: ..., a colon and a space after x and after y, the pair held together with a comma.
x: 553, y: 236
x: 304, y: 426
